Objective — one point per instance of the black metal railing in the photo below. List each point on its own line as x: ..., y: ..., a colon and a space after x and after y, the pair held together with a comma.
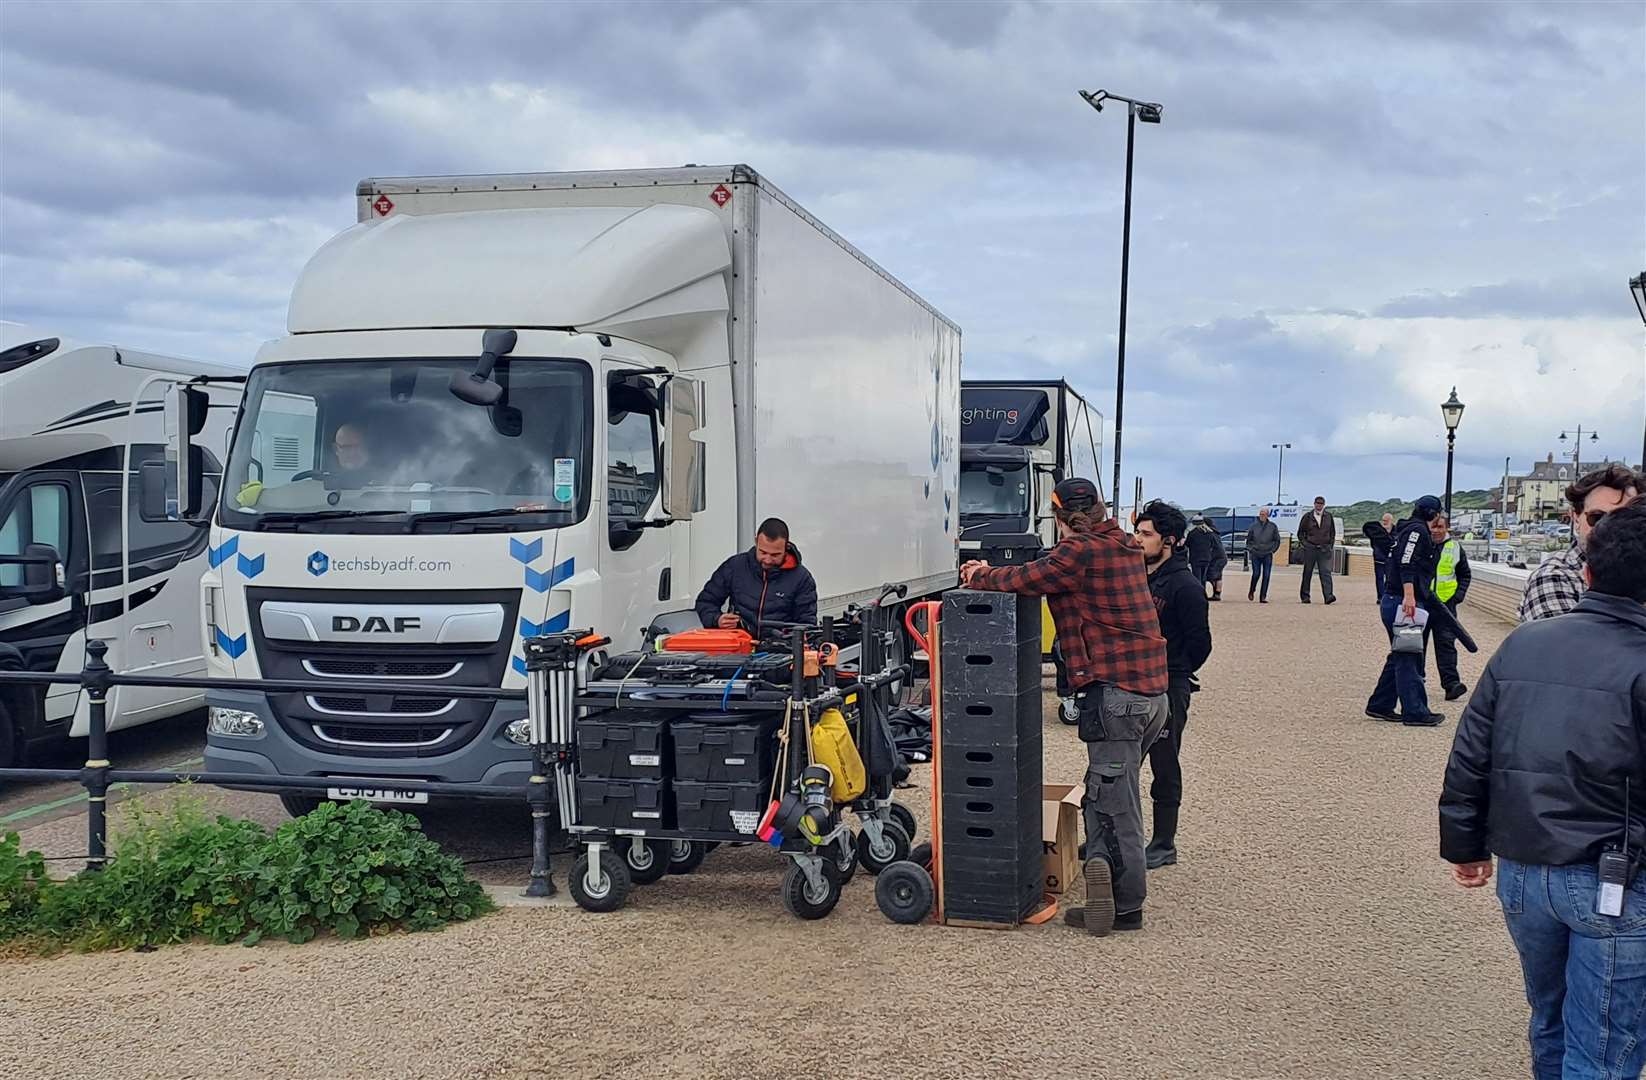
x: 99, y: 774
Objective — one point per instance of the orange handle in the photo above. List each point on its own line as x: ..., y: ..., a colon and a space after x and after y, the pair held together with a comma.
x: 933, y: 609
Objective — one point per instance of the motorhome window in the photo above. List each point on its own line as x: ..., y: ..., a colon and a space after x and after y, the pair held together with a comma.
x: 389, y: 438
x: 996, y: 490
x: 155, y: 545
x: 39, y: 516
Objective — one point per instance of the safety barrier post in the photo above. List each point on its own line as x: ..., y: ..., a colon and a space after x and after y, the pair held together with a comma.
x: 95, y: 777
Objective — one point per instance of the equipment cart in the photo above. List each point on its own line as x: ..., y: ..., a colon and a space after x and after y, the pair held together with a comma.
x: 708, y: 738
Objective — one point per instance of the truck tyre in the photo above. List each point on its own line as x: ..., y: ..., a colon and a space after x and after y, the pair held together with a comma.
x: 298, y: 805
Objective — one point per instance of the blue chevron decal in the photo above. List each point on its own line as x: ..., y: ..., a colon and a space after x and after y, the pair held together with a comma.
x: 518, y: 664
x: 250, y: 568
x: 526, y: 553
x: 529, y: 629
x: 558, y: 623
x: 538, y: 582
x: 235, y: 646
x: 216, y: 556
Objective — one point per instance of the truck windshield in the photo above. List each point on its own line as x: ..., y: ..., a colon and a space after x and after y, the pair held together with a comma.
x: 367, y: 444
x: 1003, y: 491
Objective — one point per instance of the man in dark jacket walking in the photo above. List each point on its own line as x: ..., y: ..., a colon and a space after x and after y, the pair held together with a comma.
x: 1407, y: 589
x: 1180, y: 602
x: 1262, y: 541
x: 1317, y: 533
x: 1206, y: 557
x: 1381, y: 534
x: 1548, y: 772
x: 764, y: 584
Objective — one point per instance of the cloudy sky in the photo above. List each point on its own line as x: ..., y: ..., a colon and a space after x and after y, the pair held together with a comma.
x: 1348, y: 209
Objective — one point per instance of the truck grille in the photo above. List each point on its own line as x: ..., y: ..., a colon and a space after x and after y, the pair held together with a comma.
x: 383, y: 705
x: 389, y: 735
x: 335, y: 668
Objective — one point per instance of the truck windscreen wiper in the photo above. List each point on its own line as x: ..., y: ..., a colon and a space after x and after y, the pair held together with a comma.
x: 435, y: 516
x: 299, y: 517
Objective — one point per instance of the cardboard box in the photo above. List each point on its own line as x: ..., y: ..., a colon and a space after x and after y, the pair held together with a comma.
x: 1060, y: 833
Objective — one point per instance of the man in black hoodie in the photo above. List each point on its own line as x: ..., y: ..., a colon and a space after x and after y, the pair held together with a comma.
x: 1180, y: 602
x: 764, y: 584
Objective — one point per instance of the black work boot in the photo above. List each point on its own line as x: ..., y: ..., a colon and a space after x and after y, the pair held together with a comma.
x: 1098, y: 916
x: 1162, y: 849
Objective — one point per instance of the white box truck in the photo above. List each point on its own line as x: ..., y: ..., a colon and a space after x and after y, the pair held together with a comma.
x: 80, y: 557
x: 518, y: 403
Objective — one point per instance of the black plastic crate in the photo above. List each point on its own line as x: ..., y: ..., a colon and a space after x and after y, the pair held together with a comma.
x: 743, y: 753
x: 624, y: 744
x: 708, y: 807
x: 624, y: 804
x: 991, y: 718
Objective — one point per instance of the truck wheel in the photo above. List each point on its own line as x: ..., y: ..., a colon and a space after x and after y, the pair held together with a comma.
x: 647, y: 860
x: 612, y: 889
x: 298, y: 805
x: 685, y: 856
x: 905, y: 817
x: 904, y: 893
x: 806, y: 901
x: 893, y: 847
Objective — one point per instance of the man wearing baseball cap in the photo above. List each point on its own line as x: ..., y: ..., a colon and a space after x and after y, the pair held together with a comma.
x: 1097, y: 586
x: 1413, y: 556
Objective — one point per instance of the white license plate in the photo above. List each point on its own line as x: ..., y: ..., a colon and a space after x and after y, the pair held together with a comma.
x: 381, y: 795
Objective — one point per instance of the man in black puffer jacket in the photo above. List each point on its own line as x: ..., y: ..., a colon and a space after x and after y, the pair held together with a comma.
x: 1548, y: 772
x: 1180, y: 601
x: 764, y: 584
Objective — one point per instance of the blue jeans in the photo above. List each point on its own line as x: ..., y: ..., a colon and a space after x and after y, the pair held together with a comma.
x: 1262, y: 564
x: 1402, y: 674
x: 1585, y: 973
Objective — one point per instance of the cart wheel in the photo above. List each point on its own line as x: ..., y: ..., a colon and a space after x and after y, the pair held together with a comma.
x: 904, y: 892
x: 802, y: 899
x: 613, y: 891
x: 905, y: 817
x: 647, y: 861
x: 893, y: 847
x: 685, y: 856
x: 844, y: 857
x: 921, y: 855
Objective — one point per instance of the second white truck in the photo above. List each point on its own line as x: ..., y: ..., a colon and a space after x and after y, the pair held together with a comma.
x: 519, y: 403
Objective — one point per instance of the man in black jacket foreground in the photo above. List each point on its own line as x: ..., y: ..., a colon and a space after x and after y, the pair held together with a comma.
x: 1548, y: 772
x: 762, y: 585
x: 1180, y: 602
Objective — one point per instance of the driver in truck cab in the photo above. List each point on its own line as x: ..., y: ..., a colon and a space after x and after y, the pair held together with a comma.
x: 764, y: 584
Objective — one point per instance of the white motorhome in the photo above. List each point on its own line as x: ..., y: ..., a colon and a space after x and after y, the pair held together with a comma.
x: 78, y: 557
x: 520, y: 403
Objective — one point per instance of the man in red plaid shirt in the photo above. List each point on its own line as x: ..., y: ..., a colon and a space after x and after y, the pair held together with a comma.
x: 1098, y: 588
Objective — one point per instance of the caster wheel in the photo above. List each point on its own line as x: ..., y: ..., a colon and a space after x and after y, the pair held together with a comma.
x: 612, y: 890
x: 921, y: 855
x: 893, y: 847
x: 806, y: 901
x: 647, y: 860
x: 844, y: 856
x: 905, y: 817
x: 904, y: 893
x: 685, y: 856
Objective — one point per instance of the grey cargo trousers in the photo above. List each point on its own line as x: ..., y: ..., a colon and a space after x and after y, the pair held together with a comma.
x: 1119, y: 727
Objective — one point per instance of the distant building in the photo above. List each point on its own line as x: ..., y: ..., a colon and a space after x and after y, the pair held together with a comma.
x: 1540, y: 495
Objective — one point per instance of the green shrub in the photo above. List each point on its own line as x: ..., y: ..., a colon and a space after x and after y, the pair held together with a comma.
x: 179, y: 874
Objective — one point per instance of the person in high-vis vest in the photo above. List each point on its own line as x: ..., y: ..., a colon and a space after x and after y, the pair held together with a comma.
x: 1452, y: 579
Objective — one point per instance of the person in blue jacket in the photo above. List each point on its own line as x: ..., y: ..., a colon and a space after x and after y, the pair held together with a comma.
x: 764, y: 584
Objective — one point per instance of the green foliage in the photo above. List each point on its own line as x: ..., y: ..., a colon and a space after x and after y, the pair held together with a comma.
x: 179, y: 874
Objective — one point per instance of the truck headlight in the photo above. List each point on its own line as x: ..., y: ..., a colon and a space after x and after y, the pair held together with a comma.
x: 519, y: 732
x: 234, y: 722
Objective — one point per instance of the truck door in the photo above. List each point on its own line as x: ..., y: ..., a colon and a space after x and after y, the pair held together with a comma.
x: 636, y: 577
x: 44, y: 632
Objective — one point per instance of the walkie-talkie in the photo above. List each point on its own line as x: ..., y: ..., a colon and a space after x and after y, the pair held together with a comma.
x: 1613, y: 869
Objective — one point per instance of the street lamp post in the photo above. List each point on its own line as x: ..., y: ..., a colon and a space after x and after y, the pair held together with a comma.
x: 1280, y: 472
x: 1637, y: 285
x: 1577, y: 450
x: 1451, y: 410
x: 1149, y: 113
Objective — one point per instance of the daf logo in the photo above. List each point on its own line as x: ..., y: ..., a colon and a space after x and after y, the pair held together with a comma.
x: 319, y: 563
x: 374, y: 624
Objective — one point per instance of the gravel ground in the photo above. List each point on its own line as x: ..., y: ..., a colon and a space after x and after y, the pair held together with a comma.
x: 1309, y: 931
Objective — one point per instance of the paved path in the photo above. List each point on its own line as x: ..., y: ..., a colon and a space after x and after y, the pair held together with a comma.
x: 1310, y: 931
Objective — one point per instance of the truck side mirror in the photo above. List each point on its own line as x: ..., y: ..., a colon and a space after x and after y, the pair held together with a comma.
x: 682, y: 473
x: 185, y: 418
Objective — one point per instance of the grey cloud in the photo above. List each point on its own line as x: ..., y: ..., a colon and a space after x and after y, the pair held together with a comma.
x: 1585, y: 297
